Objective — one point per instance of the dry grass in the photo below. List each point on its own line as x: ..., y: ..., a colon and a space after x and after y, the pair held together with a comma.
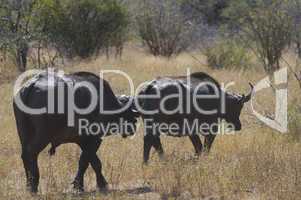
x: 256, y: 163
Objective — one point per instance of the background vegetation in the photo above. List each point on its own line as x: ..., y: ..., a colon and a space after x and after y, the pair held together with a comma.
x: 88, y: 28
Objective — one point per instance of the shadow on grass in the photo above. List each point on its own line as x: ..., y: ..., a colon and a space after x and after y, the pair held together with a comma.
x: 88, y: 194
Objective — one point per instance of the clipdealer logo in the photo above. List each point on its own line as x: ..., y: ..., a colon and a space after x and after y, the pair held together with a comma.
x: 280, y: 122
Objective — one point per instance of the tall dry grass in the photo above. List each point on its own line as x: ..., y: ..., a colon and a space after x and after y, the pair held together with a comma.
x: 255, y: 163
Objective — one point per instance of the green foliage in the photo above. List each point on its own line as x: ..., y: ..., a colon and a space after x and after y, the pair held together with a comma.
x: 75, y: 28
x: 163, y: 28
x: 210, y: 10
x: 294, y: 11
x: 266, y: 24
x: 16, y: 29
x: 82, y: 28
x: 228, y: 54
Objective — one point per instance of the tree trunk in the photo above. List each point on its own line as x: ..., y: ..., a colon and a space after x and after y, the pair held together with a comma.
x: 298, y: 44
x: 21, y: 57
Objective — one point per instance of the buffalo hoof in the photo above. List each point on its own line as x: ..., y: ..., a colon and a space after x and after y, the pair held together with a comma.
x: 145, y: 163
x: 103, y: 189
x: 198, y: 154
x: 33, y: 191
x: 78, y: 187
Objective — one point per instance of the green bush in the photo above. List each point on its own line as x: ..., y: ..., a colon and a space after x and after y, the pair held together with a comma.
x: 16, y: 30
x: 163, y: 28
x: 228, y: 55
x: 82, y: 27
x: 265, y: 23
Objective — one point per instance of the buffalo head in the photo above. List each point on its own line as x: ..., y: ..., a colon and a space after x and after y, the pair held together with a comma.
x: 234, y: 104
x: 129, y: 115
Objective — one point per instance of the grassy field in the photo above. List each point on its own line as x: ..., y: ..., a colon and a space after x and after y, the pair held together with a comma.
x: 255, y: 163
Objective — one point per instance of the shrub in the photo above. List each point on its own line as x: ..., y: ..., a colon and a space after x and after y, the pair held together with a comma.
x: 267, y: 24
x: 82, y: 28
x: 228, y: 55
x: 163, y: 28
x: 210, y: 11
x: 16, y: 29
x: 294, y: 11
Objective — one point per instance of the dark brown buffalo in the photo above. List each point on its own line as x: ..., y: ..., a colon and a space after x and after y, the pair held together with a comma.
x: 201, y: 84
x: 36, y: 131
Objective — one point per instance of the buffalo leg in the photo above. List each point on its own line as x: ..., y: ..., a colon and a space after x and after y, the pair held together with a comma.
x: 83, y: 165
x: 158, y: 146
x: 100, y: 179
x: 89, y: 155
x: 34, y: 174
x: 209, y: 141
x: 151, y: 140
x: 25, y: 159
x: 96, y: 164
x: 30, y: 160
x: 148, y: 143
x: 197, y: 143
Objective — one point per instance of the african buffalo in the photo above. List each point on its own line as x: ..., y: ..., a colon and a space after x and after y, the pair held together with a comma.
x: 176, y: 95
x: 38, y: 130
